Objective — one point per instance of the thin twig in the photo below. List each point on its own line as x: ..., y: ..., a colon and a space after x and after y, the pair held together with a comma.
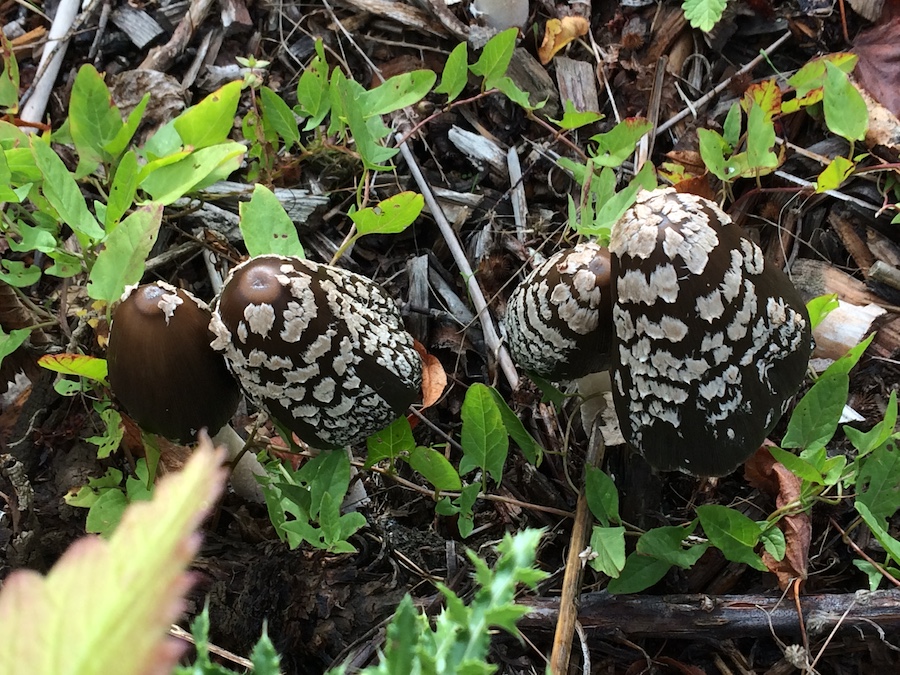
x: 491, y: 337
x: 722, y: 86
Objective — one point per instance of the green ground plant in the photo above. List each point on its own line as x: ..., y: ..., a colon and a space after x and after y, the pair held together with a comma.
x: 336, y: 115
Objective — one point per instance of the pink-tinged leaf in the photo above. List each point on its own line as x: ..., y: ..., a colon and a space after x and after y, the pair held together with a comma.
x: 105, y: 606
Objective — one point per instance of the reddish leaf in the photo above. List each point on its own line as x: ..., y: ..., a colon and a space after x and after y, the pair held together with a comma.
x: 771, y: 477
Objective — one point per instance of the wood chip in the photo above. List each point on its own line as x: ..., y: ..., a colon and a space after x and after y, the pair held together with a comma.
x: 139, y: 26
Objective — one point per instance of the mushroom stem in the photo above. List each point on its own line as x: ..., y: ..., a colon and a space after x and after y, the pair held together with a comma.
x: 243, y: 474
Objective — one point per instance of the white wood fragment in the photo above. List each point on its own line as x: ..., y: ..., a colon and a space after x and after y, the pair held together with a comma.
x: 480, y: 151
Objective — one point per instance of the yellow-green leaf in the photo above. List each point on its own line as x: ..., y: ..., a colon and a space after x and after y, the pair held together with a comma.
x: 75, y: 364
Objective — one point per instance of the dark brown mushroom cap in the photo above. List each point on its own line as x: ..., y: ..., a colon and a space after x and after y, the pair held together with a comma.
x: 558, y: 320
x: 162, y: 367
x: 711, y: 342
x: 324, y: 350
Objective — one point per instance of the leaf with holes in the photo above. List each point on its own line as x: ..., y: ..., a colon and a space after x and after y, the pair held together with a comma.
x: 391, y: 216
x: 266, y: 227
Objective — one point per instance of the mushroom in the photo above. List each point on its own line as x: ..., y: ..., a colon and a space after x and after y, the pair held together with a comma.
x: 558, y: 320
x: 164, y: 372
x: 161, y: 367
x: 711, y: 341
x: 322, y: 349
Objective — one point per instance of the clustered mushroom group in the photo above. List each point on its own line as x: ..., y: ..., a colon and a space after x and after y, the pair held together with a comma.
x: 706, y: 340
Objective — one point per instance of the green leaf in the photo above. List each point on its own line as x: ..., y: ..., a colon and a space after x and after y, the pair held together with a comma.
x: 367, y: 134
x: 10, y: 342
x: 846, y: 363
x: 820, y: 307
x: 878, y: 481
x: 732, y: 127
x: 760, y: 141
x: 518, y: 96
x: 465, y: 502
x: 163, y: 143
x: 877, y: 525
x: 798, y: 466
x: 812, y: 75
x: 574, y: 119
x: 313, y: 98
x: 733, y: 533
x: 264, y: 657
x: 866, y: 442
x: 609, y: 545
x: 9, y: 79
x: 266, y: 227
x: 122, y: 191
x: 90, y: 367
x: 845, y: 110
x: 550, y: 393
x: 703, y: 14
x: 61, y: 190
x: 713, y: 150
x: 390, y: 442
x: 108, y: 442
x: 816, y: 417
x: 872, y: 572
x: 390, y: 216
x: 612, y: 205
x: 87, y: 495
x: 617, y: 145
x: 106, y: 513
x: 18, y: 274
x: 495, y: 57
x: 640, y: 573
x: 484, y: 440
x: 117, y: 145
x: 210, y: 121
x: 168, y: 182
x: 456, y: 73
x: 838, y: 170
x: 602, y: 495
x: 530, y: 448
x: 121, y: 262
x: 668, y: 545
x: 7, y: 193
x: 773, y: 541
x: 33, y: 239
x: 436, y: 469
x: 398, y: 92
x: 93, y: 119
x: 278, y: 115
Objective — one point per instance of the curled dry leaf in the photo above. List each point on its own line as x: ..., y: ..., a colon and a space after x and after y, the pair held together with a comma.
x: 560, y: 32
x: 771, y: 477
x: 434, y: 379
